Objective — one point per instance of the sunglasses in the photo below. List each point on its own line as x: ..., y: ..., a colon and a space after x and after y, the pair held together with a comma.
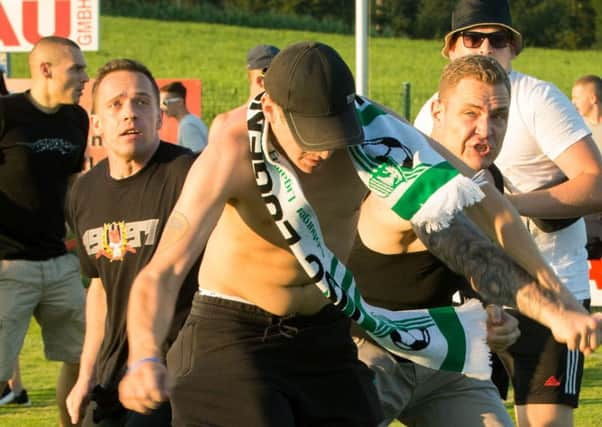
x: 497, y: 39
x: 168, y: 101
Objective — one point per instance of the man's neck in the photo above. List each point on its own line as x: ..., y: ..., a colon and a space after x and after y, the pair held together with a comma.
x: 595, y: 116
x: 41, y: 100
x: 122, y: 168
x: 179, y: 115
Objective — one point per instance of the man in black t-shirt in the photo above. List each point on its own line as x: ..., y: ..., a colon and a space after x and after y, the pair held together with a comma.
x: 43, y: 135
x: 118, y: 211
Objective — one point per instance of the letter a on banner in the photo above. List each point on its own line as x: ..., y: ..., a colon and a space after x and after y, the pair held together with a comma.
x: 24, y: 22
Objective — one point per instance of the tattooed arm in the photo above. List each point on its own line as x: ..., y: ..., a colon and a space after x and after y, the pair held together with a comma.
x: 500, y: 280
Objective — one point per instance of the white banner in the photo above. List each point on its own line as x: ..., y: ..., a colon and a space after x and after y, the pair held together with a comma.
x: 24, y: 22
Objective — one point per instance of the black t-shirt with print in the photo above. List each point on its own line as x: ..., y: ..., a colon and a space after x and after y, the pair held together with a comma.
x: 118, y: 224
x: 38, y: 153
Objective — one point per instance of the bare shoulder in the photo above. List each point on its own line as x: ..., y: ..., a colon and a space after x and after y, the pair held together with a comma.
x: 225, y: 162
x: 230, y: 125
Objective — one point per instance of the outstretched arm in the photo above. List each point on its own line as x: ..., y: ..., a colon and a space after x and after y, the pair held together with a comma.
x: 209, y: 185
x: 501, y: 222
x: 500, y: 280
x: 498, y: 219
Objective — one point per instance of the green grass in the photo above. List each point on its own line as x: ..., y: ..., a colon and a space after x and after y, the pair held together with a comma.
x: 216, y: 54
x: 39, y: 377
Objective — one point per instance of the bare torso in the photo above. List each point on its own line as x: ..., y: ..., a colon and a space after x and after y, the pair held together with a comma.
x: 247, y: 257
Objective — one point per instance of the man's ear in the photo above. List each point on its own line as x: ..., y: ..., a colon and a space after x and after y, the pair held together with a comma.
x: 267, y: 105
x: 96, y: 125
x: 160, y: 120
x: 513, y: 51
x: 593, y: 99
x: 259, y: 80
x: 46, y: 69
x: 437, y: 110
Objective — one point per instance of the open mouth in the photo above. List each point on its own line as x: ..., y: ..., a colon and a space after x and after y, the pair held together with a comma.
x: 131, y: 132
x: 482, y: 148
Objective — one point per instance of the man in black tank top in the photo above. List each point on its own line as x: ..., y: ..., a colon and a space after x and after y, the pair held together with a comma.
x: 470, y: 120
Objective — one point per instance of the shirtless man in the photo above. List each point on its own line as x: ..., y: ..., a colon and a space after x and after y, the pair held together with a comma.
x: 262, y: 345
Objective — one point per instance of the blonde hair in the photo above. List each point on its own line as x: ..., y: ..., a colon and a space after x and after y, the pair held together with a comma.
x: 479, y: 67
x: 593, y: 80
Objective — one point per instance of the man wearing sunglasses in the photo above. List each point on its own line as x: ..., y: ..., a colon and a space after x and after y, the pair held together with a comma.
x: 552, y: 171
x: 192, y: 131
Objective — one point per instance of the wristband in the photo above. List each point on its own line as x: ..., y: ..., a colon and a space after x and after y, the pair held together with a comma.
x: 140, y: 362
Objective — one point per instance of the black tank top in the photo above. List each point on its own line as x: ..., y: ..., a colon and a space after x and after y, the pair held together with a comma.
x: 423, y: 280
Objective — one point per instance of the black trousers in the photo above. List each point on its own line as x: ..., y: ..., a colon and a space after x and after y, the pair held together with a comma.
x: 235, y: 364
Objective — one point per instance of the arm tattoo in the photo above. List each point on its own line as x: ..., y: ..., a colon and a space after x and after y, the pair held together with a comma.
x: 492, y: 273
x: 175, y: 228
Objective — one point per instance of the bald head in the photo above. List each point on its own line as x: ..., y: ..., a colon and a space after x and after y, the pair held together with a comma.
x: 587, y: 97
x: 58, y: 72
x: 49, y: 49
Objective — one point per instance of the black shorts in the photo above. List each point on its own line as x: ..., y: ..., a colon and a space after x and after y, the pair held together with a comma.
x: 544, y: 370
x: 105, y: 410
x: 234, y: 364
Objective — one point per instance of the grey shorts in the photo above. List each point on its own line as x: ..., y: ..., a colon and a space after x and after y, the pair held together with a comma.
x: 419, y: 396
x: 52, y: 291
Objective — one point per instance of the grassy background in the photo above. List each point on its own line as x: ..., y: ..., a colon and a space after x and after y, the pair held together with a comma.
x: 216, y: 54
x: 39, y: 377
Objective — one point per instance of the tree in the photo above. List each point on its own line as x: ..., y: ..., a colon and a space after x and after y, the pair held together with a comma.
x: 567, y: 24
x: 433, y: 19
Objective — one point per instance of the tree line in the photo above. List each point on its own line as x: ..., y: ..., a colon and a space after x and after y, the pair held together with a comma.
x: 566, y: 24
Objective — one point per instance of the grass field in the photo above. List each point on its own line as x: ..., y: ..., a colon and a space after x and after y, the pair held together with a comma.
x: 216, y: 55
x: 39, y: 377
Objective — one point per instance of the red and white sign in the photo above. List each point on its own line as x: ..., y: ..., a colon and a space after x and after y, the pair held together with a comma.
x: 24, y: 22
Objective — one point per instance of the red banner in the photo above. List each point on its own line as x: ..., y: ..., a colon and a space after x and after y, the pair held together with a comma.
x: 24, y: 22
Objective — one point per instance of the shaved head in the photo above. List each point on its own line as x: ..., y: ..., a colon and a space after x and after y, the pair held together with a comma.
x: 58, y: 72
x: 49, y: 49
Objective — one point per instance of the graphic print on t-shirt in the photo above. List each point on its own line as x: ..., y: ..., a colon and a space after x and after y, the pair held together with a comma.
x: 58, y: 145
x: 117, y: 238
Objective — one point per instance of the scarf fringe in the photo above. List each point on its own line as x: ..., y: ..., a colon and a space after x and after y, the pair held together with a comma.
x: 439, y: 210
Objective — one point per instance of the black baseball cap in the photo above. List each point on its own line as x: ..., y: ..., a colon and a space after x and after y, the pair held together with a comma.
x: 260, y: 57
x: 316, y: 90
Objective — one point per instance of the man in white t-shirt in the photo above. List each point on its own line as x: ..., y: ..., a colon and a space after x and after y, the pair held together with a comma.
x: 552, y: 172
x: 587, y: 98
x: 192, y: 131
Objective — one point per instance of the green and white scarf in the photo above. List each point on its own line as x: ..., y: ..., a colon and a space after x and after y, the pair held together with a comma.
x: 397, y: 164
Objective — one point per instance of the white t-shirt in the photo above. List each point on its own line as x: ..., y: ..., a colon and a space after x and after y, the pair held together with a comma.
x: 542, y: 124
x: 596, y: 133
x: 192, y: 133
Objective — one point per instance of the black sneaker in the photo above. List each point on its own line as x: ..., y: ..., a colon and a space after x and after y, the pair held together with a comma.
x: 22, y: 399
x: 8, y: 396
